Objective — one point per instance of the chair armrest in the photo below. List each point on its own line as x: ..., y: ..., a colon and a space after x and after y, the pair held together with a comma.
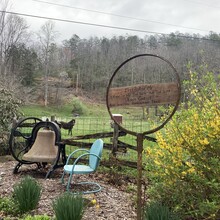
x: 71, y: 155
x: 83, y: 155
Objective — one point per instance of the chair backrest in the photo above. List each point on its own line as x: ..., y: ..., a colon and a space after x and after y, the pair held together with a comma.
x: 96, y: 149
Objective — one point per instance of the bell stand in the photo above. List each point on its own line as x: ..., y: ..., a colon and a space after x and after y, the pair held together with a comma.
x: 29, y: 141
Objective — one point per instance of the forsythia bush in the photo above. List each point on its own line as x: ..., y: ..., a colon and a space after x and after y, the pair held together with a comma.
x: 184, y: 168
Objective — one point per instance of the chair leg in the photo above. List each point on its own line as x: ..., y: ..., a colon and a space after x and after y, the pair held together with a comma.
x: 98, y: 187
x: 69, y: 182
x: 62, y: 178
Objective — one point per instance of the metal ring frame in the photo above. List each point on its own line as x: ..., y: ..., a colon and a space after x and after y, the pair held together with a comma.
x: 176, y: 104
x: 29, y: 140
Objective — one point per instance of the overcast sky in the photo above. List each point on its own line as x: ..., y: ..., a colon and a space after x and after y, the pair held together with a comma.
x: 163, y: 16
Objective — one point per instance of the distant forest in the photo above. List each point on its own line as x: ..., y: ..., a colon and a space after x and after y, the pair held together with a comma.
x: 30, y: 59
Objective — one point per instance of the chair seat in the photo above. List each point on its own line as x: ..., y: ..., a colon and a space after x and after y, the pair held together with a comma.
x: 78, y: 169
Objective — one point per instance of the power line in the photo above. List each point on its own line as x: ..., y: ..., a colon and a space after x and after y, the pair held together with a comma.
x: 101, y: 25
x: 80, y: 22
x: 117, y: 15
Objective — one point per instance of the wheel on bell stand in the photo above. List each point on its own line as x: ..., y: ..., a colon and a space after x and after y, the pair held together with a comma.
x: 21, y: 140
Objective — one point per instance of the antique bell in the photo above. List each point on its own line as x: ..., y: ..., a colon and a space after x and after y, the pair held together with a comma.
x: 43, y: 149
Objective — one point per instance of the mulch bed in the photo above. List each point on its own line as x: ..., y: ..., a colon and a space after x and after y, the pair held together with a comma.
x: 114, y: 203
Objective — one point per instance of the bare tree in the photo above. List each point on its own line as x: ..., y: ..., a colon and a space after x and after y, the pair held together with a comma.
x: 47, y: 36
x: 13, y: 30
x: 3, y: 7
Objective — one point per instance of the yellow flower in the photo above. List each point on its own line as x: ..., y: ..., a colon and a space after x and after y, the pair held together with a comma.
x: 183, y: 173
x: 188, y: 164
x: 93, y: 201
x: 157, y: 162
x: 195, y: 116
x: 191, y: 170
x: 204, y: 142
x: 159, y: 153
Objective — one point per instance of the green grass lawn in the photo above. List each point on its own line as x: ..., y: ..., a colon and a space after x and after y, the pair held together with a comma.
x: 64, y: 111
x: 94, y: 120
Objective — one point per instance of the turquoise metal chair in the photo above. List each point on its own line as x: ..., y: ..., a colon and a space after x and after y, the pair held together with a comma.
x: 94, y: 155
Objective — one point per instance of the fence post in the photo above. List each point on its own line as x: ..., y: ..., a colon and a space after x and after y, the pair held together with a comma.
x: 118, y: 119
x: 115, y: 139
